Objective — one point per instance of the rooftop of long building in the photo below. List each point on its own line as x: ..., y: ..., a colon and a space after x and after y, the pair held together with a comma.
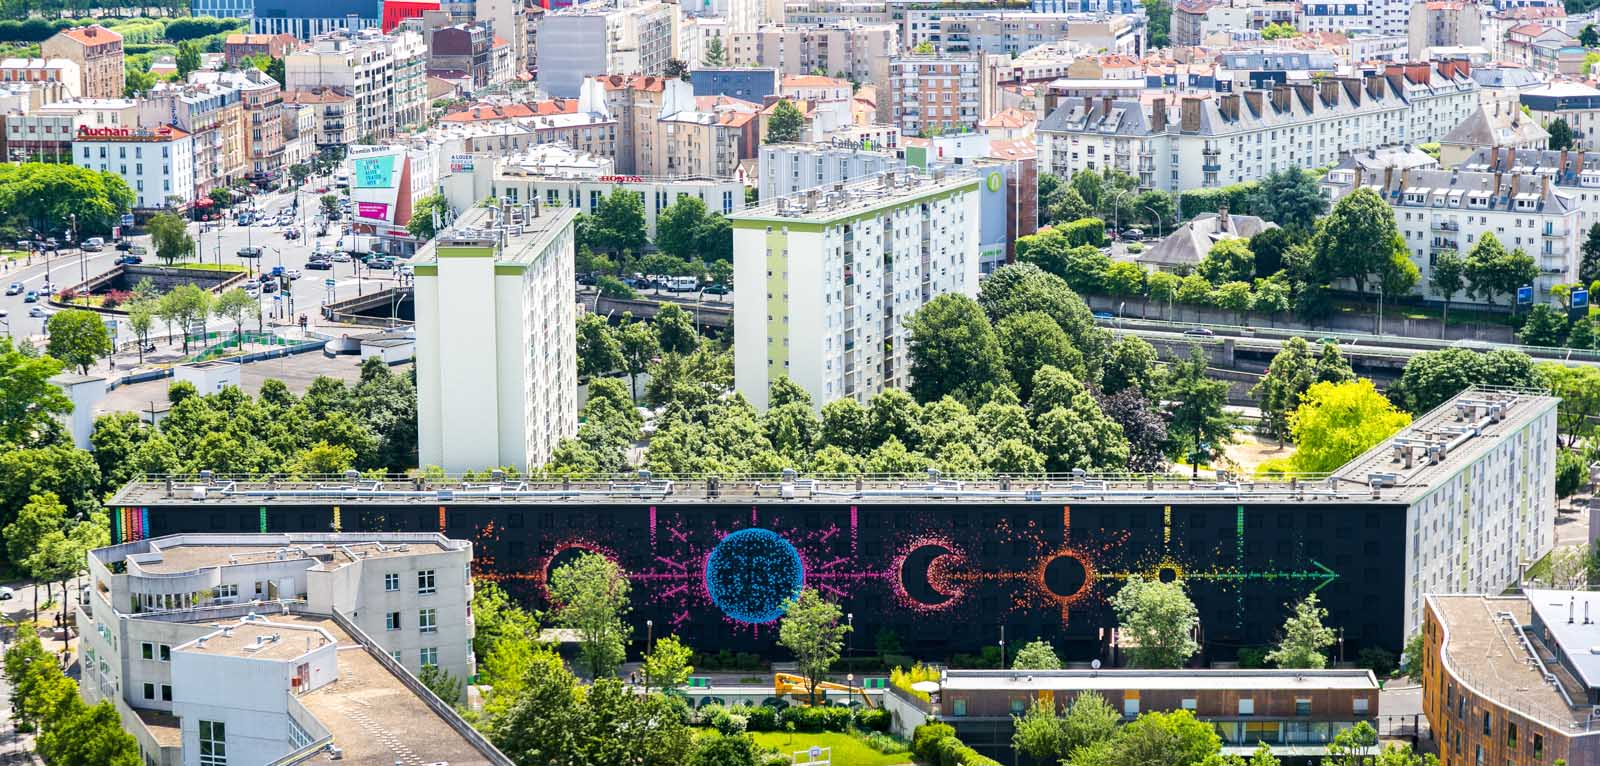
x: 176, y: 554
x: 849, y: 198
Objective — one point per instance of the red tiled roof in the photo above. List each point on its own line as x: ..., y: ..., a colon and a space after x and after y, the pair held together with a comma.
x: 94, y: 34
x: 814, y: 81
x: 1013, y: 149
x: 1008, y: 118
x: 631, y: 82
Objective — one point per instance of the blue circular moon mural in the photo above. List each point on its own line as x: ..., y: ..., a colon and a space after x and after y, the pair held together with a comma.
x: 751, y: 573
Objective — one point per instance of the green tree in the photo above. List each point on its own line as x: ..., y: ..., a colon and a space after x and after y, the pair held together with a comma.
x: 188, y: 58
x: 422, y: 224
x: 1271, y: 246
x: 1572, y: 473
x: 1044, y: 736
x: 617, y: 226
x: 1545, y: 326
x: 1235, y: 297
x: 46, y: 197
x: 1036, y: 655
x: 1336, y: 422
x: 1130, y: 363
x: 599, y: 351
x: 811, y: 629
x: 1353, y: 746
x: 1560, y: 132
x: 187, y: 305
x: 1449, y: 277
x: 1199, y: 415
x: 1492, y: 271
x: 237, y: 306
x: 675, y: 329
x: 1160, y: 14
x: 328, y: 204
x: 1159, y: 619
x: 639, y: 348
x: 1291, y: 199
x: 136, y: 81
x: 1430, y: 379
x: 954, y: 351
x: 1278, y: 393
x: 1357, y: 240
x: 1304, y: 638
x: 1031, y: 340
x: 1229, y: 261
x: 91, y: 736
x: 735, y: 750
x: 1589, y: 265
x: 26, y: 535
x: 1163, y: 739
x: 714, y: 55
x: 170, y: 236
x: 666, y: 666
x: 439, y: 681
x: 785, y: 123
x: 78, y: 338
x: 1070, y: 429
x: 678, y: 227
x: 591, y: 597
x: 1579, y: 389
x: 543, y: 724
x: 496, y: 617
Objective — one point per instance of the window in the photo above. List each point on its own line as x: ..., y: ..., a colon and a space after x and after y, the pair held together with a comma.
x: 1247, y: 706
x: 1017, y: 705
x: 227, y: 591
x: 427, y: 620
x: 213, y: 743
x: 1189, y: 703
x: 395, y: 655
x: 1488, y: 725
x: 391, y: 621
x: 165, y: 653
x: 391, y: 582
x: 428, y: 656
x: 1538, y: 746
x: 1511, y: 735
x: 1302, y: 707
x: 1130, y: 706
x: 149, y: 691
x: 425, y: 582
x: 1361, y: 706
x: 147, y: 650
x: 959, y: 708
x: 166, y: 692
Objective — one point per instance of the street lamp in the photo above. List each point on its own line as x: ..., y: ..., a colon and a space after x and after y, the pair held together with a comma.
x: 1158, y: 219
x: 650, y: 636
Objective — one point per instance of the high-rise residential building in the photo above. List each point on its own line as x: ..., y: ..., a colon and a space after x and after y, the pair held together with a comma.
x: 158, y: 163
x: 507, y: 21
x: 98, y: 53
x: 934, y: 94
x: 497, y: 373
x: 621, y: 37
x: 1241, y: 136
x: 308, y: 19
x: 841, y: 267
x: 385, y: 76
x: 1443, y: 24
x: 245, y: 648
x: 839, y: 49
x: 1013, y: 33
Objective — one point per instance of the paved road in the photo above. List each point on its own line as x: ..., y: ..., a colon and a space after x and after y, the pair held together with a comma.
x: 16, y: 747
x: 217, y: 242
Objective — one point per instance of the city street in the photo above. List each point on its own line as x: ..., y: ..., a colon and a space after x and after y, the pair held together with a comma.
x: 216, y: 242
x: 16, y: 747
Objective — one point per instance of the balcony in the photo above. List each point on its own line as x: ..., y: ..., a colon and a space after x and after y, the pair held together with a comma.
x: 1442, y: 224
x: 1554, y: 232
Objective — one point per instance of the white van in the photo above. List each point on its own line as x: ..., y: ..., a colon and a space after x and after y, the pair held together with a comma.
x: 682, y: 284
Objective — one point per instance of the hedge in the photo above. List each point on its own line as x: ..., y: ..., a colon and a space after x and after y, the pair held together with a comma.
x: 1240, y: 198
x: 1084, y: 231
x: 936, y: 744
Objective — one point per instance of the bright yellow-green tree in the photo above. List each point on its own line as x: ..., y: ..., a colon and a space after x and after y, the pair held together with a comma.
x: 1338, y: 421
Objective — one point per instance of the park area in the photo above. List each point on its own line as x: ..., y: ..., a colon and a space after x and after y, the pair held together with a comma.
x: 843, y: 749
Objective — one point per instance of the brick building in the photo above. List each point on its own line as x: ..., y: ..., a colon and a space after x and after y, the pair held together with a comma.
x: 98, y: 53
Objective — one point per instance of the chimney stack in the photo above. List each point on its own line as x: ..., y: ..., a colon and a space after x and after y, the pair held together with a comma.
x: 1189, y: 120
x: 1158, y: 115
x: 1106, y: 104
x: 1255, y: 100
x: 1280, y: 98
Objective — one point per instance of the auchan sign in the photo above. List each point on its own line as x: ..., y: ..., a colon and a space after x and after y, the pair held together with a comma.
x: 84, y: 131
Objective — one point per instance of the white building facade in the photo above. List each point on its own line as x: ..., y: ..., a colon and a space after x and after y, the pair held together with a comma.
x: 497, y: 373
x: 841, y: 268
x: 386, y: 76
x: 157, y: 164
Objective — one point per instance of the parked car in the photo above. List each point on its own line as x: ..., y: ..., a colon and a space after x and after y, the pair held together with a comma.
x: 682, y: 284
x: 15, y: 288
x: 588, y: 279
x: 380, y: 264
x: 31, y: 297
x: 6, y: 594
x: 128, y: 260
x: 38, y: 312
x: 292, y: 274
x: 1204, y: 332
x: 250, y: 252
x: 341, y: 258
x: 94, y: 244
x: 718, y: 290
x: 124, y: 244
x: 319, y: 265
x: 269, y: 287
x: 291, y: 233
x: 1104, y: 316
x: 1132, y: 235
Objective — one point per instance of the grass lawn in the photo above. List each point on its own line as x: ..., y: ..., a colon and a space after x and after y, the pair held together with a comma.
x: 847, y: 750
x: 207, y: 266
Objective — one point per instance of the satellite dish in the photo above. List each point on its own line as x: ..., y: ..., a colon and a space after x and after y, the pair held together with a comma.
x: 1095, y: 664
x: 926, y: 687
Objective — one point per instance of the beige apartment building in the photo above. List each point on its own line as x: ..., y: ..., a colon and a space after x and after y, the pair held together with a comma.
x: 262, y: 100
x: 934, y: 94
x: 846, y: 49
x: 98, y: 53
x: 333, y: 121
x: 385, y: 76
x: 214, y: 115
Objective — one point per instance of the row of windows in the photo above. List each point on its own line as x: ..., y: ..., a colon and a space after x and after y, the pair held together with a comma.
x: 425, y: 582
x: 427, y: 620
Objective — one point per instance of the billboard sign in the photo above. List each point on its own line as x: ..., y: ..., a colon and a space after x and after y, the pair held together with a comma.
x: 374, y: 210
x: 461, y: 163
x: 374, y: 172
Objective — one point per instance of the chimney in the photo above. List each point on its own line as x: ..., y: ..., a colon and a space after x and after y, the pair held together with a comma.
x: 1497, y: 176
x: 1562, y: 168
x: 1352, y: 89
x: 1088, y: 106
x: 1330, y: 91
x: 1280, y: 97
x: 1106, y: 104
x: 1189, y: 120
x: 1308, y: 96
x: 1356, y: 184
x: 1375, y: 86
x: 1511, y: 158
x: 1388, y: 178
x: 1515, y: 187
x: 1229, y: 105
x: 1158, y: 115
x: 1222, y: 218
x: 1255, y: 100
x: 1544, y: 190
